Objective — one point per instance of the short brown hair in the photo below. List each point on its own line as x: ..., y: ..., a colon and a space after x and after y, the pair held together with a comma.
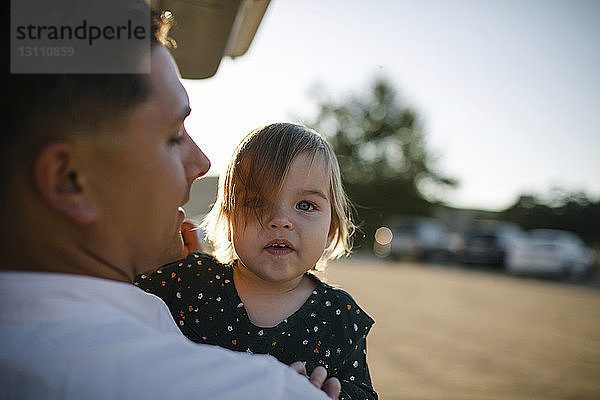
x: 39, y: 108
x: 258, y: 169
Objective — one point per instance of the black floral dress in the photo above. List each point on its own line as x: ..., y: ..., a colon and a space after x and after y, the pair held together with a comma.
x: 329, y: 329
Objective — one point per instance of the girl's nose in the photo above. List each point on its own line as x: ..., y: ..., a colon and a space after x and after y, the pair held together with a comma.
x: 279, y: 219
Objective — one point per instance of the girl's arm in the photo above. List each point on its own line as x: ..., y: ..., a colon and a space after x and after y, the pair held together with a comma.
x: 352, y: 325
x: 354, y: 374
x: 191, y: 238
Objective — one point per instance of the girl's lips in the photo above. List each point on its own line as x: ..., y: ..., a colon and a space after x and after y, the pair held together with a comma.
x: 279, y: 247
x: 279, y: 243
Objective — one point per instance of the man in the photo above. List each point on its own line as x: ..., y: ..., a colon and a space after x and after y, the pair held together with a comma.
x: 89, y: 165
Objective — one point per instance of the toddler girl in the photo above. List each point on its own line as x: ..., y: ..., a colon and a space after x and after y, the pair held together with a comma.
x: 280, y: 211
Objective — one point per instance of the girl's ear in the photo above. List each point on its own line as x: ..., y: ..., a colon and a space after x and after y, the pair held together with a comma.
x: 61, y: 183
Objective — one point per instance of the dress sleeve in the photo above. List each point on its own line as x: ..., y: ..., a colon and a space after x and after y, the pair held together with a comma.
x: 354, y: 375
x: 353, y: 371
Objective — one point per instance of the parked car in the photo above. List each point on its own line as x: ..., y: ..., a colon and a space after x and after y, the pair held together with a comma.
x: 419, y: 238
x: 487, y: 242
x: 551, y: 252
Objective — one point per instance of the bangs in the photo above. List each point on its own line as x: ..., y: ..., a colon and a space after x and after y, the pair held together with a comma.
x: 257, y: 178
x: 256, y: 183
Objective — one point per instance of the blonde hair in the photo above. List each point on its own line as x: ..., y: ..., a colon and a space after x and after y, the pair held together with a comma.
x: 258, y: 169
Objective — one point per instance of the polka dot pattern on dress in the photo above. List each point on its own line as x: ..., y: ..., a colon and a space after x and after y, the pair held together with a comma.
x: 329, y: 329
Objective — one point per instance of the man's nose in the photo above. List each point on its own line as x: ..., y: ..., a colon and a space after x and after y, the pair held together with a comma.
x: 196, y: 164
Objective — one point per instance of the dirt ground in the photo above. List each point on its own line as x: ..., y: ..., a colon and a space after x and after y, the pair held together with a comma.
x: 451, y: 333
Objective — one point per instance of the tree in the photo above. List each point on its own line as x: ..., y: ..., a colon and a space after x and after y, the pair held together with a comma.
x: 382, y: 155
x: 559, y: 209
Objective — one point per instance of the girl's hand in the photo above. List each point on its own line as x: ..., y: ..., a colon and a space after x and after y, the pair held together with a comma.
x: 191, y: 240
x: 331, y: 386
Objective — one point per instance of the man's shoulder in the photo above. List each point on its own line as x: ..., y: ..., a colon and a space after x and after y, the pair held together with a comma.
x: 159, y: 365
x: 93, y: 345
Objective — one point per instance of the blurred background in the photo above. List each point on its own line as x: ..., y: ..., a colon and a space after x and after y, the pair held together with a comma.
x: 480, y: 116
x: 504, y: 94
x: 467, y: 133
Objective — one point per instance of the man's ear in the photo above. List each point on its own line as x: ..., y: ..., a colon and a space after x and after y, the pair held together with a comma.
x: 59, y: 180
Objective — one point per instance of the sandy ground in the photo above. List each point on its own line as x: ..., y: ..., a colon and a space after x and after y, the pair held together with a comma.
x: 450, y: 333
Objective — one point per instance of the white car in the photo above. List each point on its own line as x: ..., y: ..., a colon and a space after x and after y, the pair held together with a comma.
x: 550, y: 252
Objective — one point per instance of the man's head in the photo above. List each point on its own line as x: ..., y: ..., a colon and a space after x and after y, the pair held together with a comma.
x: 41, y: 108
x: 92, y: 164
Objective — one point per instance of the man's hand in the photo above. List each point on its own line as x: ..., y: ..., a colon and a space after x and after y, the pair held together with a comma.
x: 331, y: 386
x: 191, y: 241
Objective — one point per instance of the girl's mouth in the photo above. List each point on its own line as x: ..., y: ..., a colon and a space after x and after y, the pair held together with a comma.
x: 279, y: 247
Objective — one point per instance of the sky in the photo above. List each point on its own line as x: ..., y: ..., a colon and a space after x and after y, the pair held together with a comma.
x: 507, y: 92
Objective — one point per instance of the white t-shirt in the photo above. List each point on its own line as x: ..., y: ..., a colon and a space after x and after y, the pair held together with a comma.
x: 77, y: 337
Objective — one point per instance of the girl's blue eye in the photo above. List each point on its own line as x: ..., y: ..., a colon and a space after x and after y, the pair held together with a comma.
x: 305, y: 206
